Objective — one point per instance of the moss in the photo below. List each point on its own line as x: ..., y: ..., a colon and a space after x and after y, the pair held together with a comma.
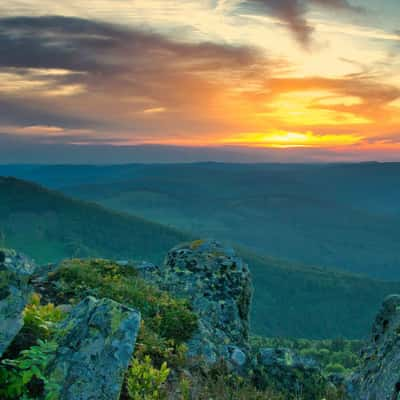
x: 196, y: 244
x: 116, y: 318
x: 169, y: 317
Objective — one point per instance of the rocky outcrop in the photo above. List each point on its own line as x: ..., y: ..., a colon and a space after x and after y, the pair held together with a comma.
x: 217, y: 283
x: 95, y: 344
x: 288, y: 372
x: 15, y: 270
x: 378, y: 377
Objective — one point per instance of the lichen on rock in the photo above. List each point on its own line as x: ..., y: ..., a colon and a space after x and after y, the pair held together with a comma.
x: 378, y: 377
x: 95, y: 345
x: 217, y: 283
x: 15, y: 270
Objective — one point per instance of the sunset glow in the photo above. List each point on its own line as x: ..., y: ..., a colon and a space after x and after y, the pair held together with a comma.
x: 202, y: 73
x: 295, y: 139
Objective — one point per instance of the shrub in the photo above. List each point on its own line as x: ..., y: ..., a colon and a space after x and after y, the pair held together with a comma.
x: 220, y: 384
x: 327, y: 352
x: 159, y: 349
x: 25, y: 376
x: 145, y: 382
x: 40, y: 320
x: 171, y: 318
x: 335, y: 369
x: 184, y: 388
x: 166, y: 322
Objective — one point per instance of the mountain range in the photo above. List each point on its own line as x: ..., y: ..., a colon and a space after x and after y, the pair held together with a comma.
x: 291, y: 298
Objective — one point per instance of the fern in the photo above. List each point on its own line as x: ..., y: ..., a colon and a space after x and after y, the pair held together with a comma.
x: 27, y: 374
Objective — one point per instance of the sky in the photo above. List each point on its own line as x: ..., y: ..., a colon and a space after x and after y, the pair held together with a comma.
x: 228, y: 80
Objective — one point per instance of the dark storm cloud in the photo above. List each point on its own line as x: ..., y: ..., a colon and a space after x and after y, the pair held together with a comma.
x: 50, y: 42
x: 293, y: 12
x: 88, y: 46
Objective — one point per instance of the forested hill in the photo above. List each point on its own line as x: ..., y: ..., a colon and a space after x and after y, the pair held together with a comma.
x: 49, y: 226
x: 344, y: 216
x: 302, y: 301
x: 289, y: 299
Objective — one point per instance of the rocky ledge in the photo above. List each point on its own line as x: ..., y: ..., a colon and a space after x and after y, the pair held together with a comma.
x: 15, y: 271
x: 217, y: 284
x: 378, y: 377
x: 95, y: 341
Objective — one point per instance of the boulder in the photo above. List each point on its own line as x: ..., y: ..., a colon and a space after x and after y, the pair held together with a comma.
x: 217, y: 283
x: 289, y: 373
x: 15, y: 271
x: 95, y: 344
x: 378, y: 377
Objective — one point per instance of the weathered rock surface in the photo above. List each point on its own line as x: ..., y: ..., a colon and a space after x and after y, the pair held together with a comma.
x: 288, y: 372
x: 218, y: 285
x: 378, y: 378
x: 15, y: 270
x: 96, y: 342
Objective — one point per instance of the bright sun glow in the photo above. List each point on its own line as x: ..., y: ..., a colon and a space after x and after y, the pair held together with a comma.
x: 280, y: 139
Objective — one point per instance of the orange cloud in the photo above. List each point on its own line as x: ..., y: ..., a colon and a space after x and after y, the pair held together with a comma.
x: 146, y: 88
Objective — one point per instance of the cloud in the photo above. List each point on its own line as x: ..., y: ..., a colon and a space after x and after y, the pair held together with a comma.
x: 104, y: 74
x: 27, y: 113
x: 293, y: 13
x: 87, y: 46
x: 96, y: 83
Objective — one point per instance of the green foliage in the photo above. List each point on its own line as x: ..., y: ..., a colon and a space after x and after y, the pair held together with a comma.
x: 159, y: 348
x: 184, y: 388
x: 167, y: 322
x: 337, y: 368
x: 334, y: 356
x: 25, y: 377
x: 219, y: 384
x: 40, y: 320
x: 145, y: 382
x: 170, y: 318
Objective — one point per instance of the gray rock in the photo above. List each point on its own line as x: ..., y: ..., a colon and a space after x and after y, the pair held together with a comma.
x: 378, y: 377
x: 146, y: 266
x: 237, y: 356
x: 218, y: 285
x: 16, y: 262
x: 96, y: 342
x: 15, y: 270
x: 147, y: 270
